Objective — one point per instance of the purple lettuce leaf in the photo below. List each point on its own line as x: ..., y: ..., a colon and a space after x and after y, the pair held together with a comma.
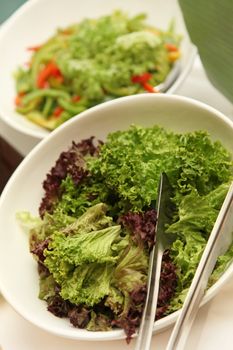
x: 71, y: 162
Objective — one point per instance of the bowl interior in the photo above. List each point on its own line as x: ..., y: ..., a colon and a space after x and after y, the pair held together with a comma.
x: 16, y: 35
x: 18, y: 272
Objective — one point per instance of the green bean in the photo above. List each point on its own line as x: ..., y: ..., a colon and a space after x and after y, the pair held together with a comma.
x: 47, y: 106
x: 71, y: 107
x: 44, y: 93
x: 27, y: 108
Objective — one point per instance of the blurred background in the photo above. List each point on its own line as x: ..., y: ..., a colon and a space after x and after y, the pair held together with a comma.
x: 8, y: 7
x: 9, y: 157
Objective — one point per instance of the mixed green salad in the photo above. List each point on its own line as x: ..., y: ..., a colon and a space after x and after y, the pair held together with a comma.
x: 97, y: 223
x: 93, y: 61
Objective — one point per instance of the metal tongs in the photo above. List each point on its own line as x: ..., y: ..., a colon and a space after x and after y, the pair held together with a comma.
x: 218, y: 242
x: 164, y: 209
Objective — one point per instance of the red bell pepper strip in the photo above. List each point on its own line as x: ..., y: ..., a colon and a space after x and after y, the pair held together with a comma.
x: 67, y: 31
x: 34, y: 48
x: 76, y: 98
x: 142, y: 78
x: 148, y: 87
x: 51, y: 69
x: 171, y: 47
x: 18, y: 98
x: 58, y: 111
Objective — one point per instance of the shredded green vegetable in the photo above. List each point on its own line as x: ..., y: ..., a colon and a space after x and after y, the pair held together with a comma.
x: 91, y: 62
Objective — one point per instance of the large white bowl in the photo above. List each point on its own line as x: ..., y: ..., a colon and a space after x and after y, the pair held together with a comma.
x: 37, y: 20
x: 18, y: 270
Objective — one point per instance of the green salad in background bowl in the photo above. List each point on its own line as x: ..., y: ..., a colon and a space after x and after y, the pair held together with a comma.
x: 83, y: 53
x: 88, y: 204
x: 91, y: 62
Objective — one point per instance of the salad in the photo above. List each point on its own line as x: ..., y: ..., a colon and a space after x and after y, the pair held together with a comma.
x: 97, y: 220
x: 90, y: 62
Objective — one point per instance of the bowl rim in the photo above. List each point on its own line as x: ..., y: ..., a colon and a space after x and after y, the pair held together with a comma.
x: 165, y: 322
x: 40, y: 132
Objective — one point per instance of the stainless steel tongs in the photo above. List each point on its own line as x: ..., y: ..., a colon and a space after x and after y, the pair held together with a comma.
x: 218, y: 242
x: 164, y: 210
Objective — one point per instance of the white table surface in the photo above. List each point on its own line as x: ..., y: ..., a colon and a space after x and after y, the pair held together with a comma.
x: 213, y: 327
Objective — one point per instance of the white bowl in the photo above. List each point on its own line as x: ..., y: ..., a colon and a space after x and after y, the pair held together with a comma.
x: 18, y: 271
x: 37, y: 20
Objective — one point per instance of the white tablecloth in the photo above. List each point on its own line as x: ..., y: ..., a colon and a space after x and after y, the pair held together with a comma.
x: 213, y: 327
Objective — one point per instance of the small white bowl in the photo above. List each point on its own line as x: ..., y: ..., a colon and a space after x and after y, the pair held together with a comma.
x: 37, y: 20
x: 18, y: 271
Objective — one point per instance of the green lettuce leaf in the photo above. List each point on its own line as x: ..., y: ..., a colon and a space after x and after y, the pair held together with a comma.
x: 87, y: 284
x: 93, y: 219
x: 115, y: 300
x: 95, y: 246
x: 82, y: 257
x: 47, y: 287
x: 99, y: 322
x: 75, y: 200
x: 196, y: 217
x: 130, y: 163
x: 131, y: 271
x: 222, y: 264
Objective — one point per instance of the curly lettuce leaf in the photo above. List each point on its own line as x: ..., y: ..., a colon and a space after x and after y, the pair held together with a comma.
x: 196, y: 217
x: 28, y: 221
x: 222, y: 264
x: 93, y: 219
x: 90, y: 264
x: 95, y: 246
x: 131, y: 271
x: 75, y: 200
x: 87, y: 284
x: 130, y: 163
x: 99, y: 322
x: 82, y: 263
x: 47, y: 287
